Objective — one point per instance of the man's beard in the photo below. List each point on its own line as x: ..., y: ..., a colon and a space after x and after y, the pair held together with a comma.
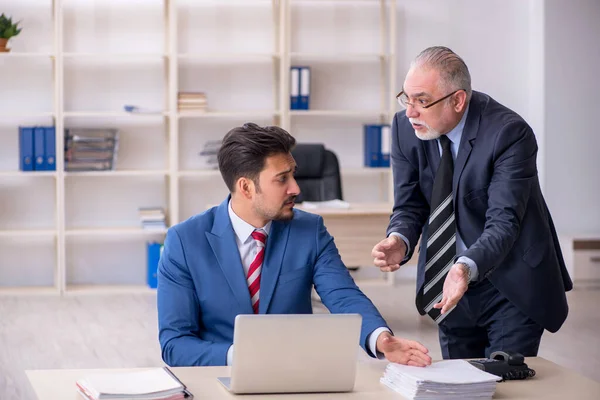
x: 283, y: 214
x: 430, y: 134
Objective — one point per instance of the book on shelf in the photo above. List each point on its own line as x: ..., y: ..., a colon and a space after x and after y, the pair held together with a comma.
x: 151, y: 384
x: 192, y: 102
x: 152, y: 218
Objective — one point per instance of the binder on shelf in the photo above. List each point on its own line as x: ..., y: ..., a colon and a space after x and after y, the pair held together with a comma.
x: 295, y: 88
x: 372, y: 145
x: 386, y: 145
x: 50, y: 148
x: 154, y: 251
x: 26, y: 148
x: 39, y: 149
x: 304, y: 88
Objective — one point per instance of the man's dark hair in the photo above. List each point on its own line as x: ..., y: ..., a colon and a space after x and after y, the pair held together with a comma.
x: 245, y: 148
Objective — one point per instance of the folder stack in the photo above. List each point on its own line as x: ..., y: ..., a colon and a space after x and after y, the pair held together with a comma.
x: 300, y: 88
x: 377, y: 145
x: 89, y: 149
x: 193, y: 102
x: 210, y: 151
x: 37, y: 148
x: 152, y: 218
x: 151, y: 384
x: 451, y: 379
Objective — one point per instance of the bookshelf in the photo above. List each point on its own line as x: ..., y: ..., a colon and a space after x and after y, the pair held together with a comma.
x: 78, y: 62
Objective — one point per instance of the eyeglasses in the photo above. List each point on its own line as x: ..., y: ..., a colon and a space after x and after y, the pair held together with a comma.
x: 421, y: 103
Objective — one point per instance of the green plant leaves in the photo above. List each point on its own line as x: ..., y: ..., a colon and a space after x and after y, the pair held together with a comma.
x: 8, y: 29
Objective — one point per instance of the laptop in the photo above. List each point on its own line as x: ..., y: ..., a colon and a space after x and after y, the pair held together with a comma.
x: 294, y: 353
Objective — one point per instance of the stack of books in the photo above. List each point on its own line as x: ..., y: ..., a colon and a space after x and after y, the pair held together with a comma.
x: 210, y: 151
x: 89, y: 149
x: 152, y: 218
x: 451, y: 379
x: 193, y: 102
x: 152, y: 384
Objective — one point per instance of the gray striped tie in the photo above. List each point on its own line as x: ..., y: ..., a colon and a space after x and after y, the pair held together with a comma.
x: 441, y: 243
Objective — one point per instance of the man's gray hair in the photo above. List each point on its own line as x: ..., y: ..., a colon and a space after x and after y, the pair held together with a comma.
x: 454, y: 73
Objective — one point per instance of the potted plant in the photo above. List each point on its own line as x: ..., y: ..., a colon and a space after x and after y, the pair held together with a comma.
x: 7, y: 30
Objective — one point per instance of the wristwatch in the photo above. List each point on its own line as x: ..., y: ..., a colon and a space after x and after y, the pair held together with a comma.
x: 468, y: 271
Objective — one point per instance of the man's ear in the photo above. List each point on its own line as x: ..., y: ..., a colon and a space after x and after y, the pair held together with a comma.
x: 246, y: 187
x: 459, y: 101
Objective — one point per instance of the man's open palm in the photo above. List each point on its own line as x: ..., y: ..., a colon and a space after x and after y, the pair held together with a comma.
x: 403, y: 351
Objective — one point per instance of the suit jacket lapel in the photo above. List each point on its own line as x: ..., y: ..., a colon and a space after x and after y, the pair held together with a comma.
x: 466, y: 143
x: 275, y: 250
x: 223, y: 244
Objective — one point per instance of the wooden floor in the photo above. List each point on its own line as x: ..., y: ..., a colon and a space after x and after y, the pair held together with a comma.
x: 121, y: 331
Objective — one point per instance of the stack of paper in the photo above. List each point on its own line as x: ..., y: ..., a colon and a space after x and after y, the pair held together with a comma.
x: 451, y: 379
x: 152, y: 384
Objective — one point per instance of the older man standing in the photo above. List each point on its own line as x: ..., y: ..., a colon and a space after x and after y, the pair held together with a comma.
x: 490, y: 271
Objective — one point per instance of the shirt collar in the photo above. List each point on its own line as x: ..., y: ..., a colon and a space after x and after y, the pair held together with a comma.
x: 455, y: 134
x: 242, y: 229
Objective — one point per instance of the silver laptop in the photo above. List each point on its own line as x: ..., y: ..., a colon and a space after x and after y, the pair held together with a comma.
x: 290, y: 353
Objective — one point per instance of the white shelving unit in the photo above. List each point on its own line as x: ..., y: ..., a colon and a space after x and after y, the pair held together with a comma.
x: 77, y: 62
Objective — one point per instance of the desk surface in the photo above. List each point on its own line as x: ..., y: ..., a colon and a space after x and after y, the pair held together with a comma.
x: 380, y: 209
x: 550, y: 382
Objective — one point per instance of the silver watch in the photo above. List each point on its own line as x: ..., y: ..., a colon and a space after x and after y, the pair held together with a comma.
x: 468, y: 270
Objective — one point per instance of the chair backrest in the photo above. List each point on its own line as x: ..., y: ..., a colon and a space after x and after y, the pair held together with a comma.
x: 318, y: 173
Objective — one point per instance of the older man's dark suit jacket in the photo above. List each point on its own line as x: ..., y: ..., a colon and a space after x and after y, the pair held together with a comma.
x: 500, y: 211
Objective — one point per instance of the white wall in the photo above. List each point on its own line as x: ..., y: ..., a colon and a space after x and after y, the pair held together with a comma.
x: 572, y: 103
x: 500, y: 40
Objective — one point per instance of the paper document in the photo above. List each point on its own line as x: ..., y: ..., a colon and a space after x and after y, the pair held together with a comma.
x: 154, y: 383
x: 325, y: 204
x: 450, y: 379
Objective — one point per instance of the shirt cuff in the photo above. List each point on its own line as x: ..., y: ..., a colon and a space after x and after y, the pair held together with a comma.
x: 401, y: 236
x: 230, y: 356
x: 373, y: 341
x: 472, y: 267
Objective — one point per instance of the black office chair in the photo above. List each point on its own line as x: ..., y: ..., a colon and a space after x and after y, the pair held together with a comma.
x: 318, y: 173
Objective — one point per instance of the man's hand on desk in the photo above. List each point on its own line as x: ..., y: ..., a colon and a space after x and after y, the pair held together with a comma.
x: 389, y: 253
x: 403, y: 351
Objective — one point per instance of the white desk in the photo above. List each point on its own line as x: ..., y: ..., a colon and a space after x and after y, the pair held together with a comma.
x: 551, y: 382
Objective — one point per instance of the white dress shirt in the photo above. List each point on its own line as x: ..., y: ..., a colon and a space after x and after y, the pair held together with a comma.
x: 248, y: 249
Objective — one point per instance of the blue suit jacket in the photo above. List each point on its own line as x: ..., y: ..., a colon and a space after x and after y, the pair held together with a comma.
x: 202, y: 287
x: 500, y: 212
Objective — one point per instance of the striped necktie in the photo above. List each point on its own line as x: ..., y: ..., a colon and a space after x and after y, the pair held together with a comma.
x: 253, y: 279
x: 441, y: 243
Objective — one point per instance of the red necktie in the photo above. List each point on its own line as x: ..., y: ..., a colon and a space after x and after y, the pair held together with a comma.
x: 253, y: 278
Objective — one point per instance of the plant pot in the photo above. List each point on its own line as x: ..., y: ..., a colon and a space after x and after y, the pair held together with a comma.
x: 3, y: 43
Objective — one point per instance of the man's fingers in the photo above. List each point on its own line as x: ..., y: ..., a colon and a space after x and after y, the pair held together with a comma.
x: 418, y: 346
x: 420, y: 357
x: 378, y: 262
x: 390, y: 268
x: 448, y: 306
x: 377, y: 254
x: 441, y: 303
